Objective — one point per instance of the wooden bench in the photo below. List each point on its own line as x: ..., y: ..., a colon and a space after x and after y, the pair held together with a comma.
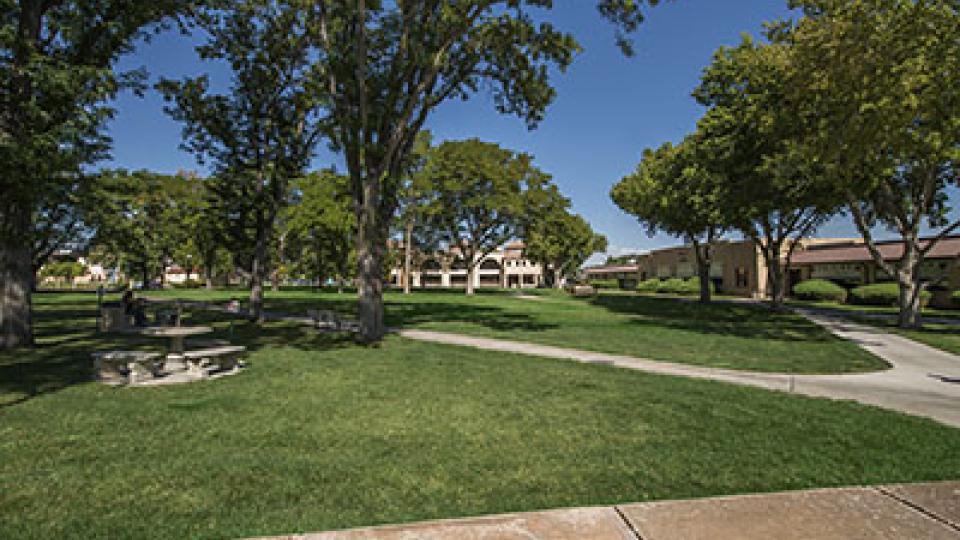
x: 126, y: 367
x: 223, y: 358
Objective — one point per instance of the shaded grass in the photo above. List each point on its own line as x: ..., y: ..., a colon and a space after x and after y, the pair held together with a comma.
x: 726, y: 335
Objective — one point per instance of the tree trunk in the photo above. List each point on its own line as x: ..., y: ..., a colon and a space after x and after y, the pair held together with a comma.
x: 275, y: 281
x: 703, y: 271
x: 16, y: 279
x: 775, y: 277
x: 908, y: 280
x: 470, y: 272
x: 704, y: 257
x: 406, y: 257
x: 257, y: 273
x: 369, y: 265
x: 557, y: 277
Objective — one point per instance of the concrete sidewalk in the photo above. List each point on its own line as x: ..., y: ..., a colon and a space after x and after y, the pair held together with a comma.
x: 917, y: 383
x: 896, y: 512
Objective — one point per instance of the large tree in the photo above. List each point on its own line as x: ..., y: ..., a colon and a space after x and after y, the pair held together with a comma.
x: 414, y: 196
x: 673, y: 192
x: 561, y: 242
x: 141, y: 220
x: 262, y: 132
x: 880, y: 80
x: 320, y: 226
x: 57, y: 70
x: 387, y: 65
x: 479, y: 197
x: 750, y: 137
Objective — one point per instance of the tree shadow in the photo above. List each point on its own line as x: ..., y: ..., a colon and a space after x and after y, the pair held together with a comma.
x: 405, y: 312
x: 722, y: 318
x: 494, y: 318
x: 66, y: 338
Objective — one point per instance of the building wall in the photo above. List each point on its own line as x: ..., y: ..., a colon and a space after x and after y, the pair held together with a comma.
x: 505, y: 268
x: 737, y: 267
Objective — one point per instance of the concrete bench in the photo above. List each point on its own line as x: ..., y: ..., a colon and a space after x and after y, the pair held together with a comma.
x: 583, y: 291
x: 330, y: 320
x: 223, y: 358
x: 126, y: 367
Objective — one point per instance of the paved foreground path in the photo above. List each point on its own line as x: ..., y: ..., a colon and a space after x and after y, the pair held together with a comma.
x: 898, y: 512
x: 918, y: 383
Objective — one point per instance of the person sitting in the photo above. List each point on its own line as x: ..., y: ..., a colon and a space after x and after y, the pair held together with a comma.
x: 135, y: 308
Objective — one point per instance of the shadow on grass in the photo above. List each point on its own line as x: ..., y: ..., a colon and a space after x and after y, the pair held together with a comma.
x: 66, y: 336
x: 405, y: 312
x: 739, y: 320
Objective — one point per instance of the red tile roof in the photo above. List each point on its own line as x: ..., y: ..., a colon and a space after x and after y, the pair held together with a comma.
x: 891, y: 251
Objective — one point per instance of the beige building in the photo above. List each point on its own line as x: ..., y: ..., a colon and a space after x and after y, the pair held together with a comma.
x: 503, y: 268
x: 738, y: 267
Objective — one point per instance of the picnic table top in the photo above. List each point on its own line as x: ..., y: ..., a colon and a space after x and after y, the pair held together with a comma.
x: 176, y: 331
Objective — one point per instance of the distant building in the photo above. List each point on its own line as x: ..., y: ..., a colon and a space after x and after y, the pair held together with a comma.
x: 738, y: 267
x: 177, y: 275
x: 503, y: 268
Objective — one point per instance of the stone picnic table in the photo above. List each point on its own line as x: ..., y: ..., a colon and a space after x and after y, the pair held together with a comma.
x: 176, y: 335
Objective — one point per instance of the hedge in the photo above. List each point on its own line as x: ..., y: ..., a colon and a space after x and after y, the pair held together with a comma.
x: 684, y: 287
x: 820, y: 289
x: 605, y: 283
x: 650, y: 285
x: 671, y: 286
x: 882, y: 294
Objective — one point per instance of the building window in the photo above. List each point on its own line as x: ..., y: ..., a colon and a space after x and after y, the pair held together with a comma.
x: 742, y: 277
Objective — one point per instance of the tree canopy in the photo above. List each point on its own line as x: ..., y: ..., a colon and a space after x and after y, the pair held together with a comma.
x: 878, y: 80
x: 750, y: 136
x: 57, y: 69
x: 261, y: 133
x: 674, y: 191
x: 480, y: 197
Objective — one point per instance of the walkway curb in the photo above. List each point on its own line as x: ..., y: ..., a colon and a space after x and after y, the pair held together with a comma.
x: 895, y: 512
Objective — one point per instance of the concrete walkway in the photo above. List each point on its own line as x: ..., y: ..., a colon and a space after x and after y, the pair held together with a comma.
x: 918, y: 382
x: 898, y: 512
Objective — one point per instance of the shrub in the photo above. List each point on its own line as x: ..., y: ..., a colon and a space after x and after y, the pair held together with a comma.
x: 605, y: 283
x: 882, y: 294
x: 820, y: 289
x: 670, y: 286
x: 649, y: 286
x: 694, y: 284
x: 683, y: 287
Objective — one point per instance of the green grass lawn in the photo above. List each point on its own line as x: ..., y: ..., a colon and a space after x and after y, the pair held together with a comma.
x: 719, y: 335
x: 319, y: 433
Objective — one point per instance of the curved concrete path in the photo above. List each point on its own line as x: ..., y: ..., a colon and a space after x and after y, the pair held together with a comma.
x: 918, y: 382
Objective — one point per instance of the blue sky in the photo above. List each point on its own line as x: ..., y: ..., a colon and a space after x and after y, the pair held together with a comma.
x: 608, y: 109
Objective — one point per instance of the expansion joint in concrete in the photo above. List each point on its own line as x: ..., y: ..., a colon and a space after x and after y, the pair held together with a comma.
x: 916, y: 508
x: 633, y: 530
